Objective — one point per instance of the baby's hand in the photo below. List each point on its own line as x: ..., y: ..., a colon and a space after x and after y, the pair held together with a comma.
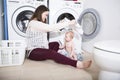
x: 61, y: 47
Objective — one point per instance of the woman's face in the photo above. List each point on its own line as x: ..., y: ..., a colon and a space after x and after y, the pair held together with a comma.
x: 44, y: 15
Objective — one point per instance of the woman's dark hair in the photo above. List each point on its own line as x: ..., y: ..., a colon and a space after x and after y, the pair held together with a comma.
x: 38, y: 13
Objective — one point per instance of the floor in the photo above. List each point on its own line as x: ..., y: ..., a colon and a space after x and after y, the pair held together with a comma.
x: 34, y: 69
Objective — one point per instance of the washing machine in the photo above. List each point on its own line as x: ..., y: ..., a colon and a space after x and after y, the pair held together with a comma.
x: 70, y: 9
x: 65, y: 10
x: 18, y: 13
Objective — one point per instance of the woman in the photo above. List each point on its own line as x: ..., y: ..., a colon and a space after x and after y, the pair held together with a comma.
x: 37, y: 44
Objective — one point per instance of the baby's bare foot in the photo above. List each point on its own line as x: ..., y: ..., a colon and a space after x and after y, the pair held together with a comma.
x: 84, y: 64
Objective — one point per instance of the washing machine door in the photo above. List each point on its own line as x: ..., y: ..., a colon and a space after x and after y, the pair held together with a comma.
x: 90, y: 22
x: 65, y: 12
x: 20, y: 19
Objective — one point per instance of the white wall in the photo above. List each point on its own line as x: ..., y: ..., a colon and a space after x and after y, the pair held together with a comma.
x: 109, y: 11
x: 1, y: 21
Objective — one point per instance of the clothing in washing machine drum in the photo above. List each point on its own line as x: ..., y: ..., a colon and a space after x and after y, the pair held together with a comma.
x: 90, y: 22
x: 23, y: 19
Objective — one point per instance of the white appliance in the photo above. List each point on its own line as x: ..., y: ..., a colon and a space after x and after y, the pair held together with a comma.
x: 18, y: 14
x: 70, y: 9
x: 107, y: 57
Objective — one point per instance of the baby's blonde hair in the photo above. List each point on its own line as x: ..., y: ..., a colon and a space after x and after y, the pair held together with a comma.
x: 71, y: 34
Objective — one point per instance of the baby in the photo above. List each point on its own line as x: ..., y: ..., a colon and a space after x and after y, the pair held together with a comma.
x: 68, y: 49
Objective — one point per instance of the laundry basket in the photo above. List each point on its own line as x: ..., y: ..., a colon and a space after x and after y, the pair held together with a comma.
x: 12, y: 52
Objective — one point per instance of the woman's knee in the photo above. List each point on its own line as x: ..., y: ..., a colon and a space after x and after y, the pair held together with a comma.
x: 56, y: 43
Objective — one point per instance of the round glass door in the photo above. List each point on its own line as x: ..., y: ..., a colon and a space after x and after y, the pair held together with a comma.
x: 21, y: 18
x: 90, y: 22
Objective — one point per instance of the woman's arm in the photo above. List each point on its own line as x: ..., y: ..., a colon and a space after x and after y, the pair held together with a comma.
x: 39, y: 26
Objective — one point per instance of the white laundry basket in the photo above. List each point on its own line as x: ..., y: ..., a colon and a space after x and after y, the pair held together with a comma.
x: 12, y: 52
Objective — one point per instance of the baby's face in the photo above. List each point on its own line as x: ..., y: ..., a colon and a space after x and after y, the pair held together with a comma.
x: 68, y: 38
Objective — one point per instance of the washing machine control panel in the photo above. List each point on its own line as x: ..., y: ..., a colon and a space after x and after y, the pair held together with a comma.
x: 75, y: 4
x: 26, y: 2
x: 34, y: 2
